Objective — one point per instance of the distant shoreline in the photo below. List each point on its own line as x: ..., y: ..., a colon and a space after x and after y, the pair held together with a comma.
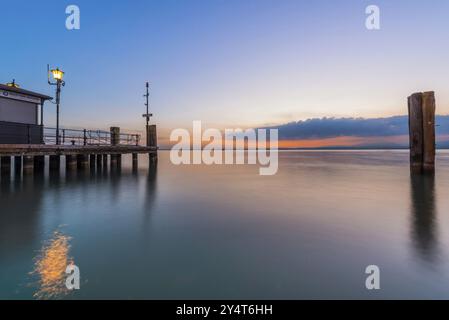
x: 328, y: 149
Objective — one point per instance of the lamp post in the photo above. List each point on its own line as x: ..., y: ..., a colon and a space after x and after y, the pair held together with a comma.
x: 57, y: 76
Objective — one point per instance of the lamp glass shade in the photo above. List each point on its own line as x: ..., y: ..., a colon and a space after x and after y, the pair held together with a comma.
x: 57, y: 74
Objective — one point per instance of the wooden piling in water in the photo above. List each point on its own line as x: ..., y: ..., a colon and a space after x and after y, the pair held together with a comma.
x: 70, y: 162
x: 135, y: 161
x: 152, y: 158
x: 39, y: 163
x: 92, y: 161
x: 152, y: 142
x: 415, y: 130
x: 421, y: 109
x: 428, y: 105
x: 5, y: 165
x: 114, y: 160
x: 99, y: 161
x: 82, y: 161
x: 18, y: 164
x: 105, y: 161
x: 55, y: 162
x: 28, y: 164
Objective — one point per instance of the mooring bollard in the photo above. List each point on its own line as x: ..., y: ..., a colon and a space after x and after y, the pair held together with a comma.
x: 115, y: 136
x: 421, y: 108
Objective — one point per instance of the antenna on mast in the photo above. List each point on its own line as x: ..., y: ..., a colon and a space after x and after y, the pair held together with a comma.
x: 147, y: 115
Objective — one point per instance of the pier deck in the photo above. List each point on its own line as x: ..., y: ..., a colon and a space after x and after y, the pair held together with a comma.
x: 61, y: 150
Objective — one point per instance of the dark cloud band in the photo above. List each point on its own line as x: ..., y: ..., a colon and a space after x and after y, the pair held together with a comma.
x: 357, y: 127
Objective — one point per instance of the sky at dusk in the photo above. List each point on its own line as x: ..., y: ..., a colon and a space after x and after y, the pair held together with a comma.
x: 229, y: 63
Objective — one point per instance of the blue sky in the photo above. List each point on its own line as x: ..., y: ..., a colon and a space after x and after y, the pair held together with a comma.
x: 227, y: 62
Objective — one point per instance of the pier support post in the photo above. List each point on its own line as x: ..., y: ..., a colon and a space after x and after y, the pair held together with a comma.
x: 28, y: 164
x: 39, y: 163
x: 5, y: 165
x: 92, y: 161
x: 152, y: 158
x: 135, y: 161
x: 18, y: 164
x: 82, y: 160
x: 116, y: 163
x: 105, y: 161
x: 55, y: 162
x: 99, y: 161
x: 152, y: 142
x: 114, y: 160
x: 70, y: 162
x: 421, y: 108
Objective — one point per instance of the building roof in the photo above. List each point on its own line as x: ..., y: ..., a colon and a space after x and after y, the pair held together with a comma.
x: 26, y: 92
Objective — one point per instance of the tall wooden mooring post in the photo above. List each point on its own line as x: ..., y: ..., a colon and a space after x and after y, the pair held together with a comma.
x: 421, y: 110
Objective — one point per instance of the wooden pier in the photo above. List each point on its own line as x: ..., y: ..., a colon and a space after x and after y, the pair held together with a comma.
x: 98, y: 152
x: 53, y: 150
x: 31, y: 157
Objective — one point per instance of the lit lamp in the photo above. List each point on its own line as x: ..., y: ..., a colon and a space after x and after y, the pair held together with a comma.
x: 13, y: 84
x: 57, y: 76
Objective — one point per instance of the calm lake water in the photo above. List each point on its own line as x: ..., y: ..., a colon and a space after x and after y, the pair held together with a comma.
x: 225, y: 232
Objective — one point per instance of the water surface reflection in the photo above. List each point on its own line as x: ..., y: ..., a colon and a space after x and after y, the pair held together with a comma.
x: 424, y: 231
x: 50, y: 266
x: 224, y: 232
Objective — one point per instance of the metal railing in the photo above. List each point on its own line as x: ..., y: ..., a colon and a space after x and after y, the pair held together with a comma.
x: 85, y: 137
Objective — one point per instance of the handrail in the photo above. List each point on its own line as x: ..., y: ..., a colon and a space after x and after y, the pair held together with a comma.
x: 87, y: 137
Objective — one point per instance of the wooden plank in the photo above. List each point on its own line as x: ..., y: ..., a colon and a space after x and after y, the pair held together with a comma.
x: 416, y: 129
x: 428, y: 106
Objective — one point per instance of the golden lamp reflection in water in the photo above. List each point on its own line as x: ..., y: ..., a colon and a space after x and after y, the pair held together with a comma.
x: 50, y: 266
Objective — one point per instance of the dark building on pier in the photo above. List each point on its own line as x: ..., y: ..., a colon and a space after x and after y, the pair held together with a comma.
x: 21, y: 115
